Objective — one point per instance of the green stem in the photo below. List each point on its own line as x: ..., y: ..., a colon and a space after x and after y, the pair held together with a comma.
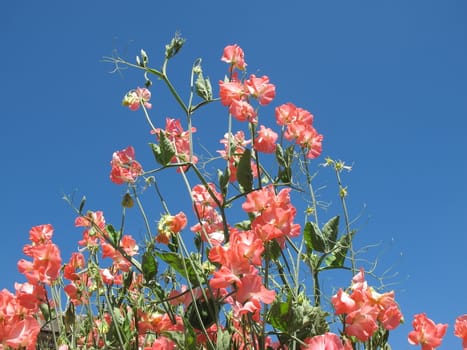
x: 347, y: 221
x: 309, y: 179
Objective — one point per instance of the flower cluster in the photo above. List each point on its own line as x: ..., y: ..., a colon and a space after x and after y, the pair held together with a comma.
x: 237, y: 95
x: 365, y: 310
x: 299, y: 128
x: 18, y: 326
x: 210, y: 225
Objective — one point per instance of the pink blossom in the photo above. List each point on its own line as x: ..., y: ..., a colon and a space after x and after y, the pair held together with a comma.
x: 234, y: 55
x: 460, y: 329
x: 266, y: 140
x: 124, y: 167
x: 134, y: 98
x: 426, y: 333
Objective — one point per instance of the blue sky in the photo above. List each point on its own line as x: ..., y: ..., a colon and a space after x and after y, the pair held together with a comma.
x: 386, y: 81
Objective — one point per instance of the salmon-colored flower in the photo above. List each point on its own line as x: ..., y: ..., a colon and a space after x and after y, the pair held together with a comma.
x: 170, y: 225
x: 124, y: 166
x: 45, y: 265
x: 460, y: 329
x: 242, y: 110
x: 234, y: 55
x: 266, y: 140
x: 299, y: 128
x: 134, y: 98
x: 232, y: 90
x: 426, y: 333
x: 261, y: 89
x: 327, y: 341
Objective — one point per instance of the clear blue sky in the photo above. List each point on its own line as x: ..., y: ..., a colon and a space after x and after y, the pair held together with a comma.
x: 386, y: 81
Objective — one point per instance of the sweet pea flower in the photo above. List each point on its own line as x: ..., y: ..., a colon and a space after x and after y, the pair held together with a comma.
x: 124, y: 167
x: 327, y: 341
x: 460, y: 330
x: 426, y: 333
x: 170, y: 225
x: 234, y: 55
x: 260, y: 88
x: 135, y: 98
x: 266, y: 140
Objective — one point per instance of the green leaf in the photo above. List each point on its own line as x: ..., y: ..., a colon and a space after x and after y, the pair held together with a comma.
x: 208, y: 313
x: 280, y: 155
x: 285, y: 160
x: 223, y: 340
x: 313, y: 238
x: 81, y: 204
x: 177, y: 263
x: 224, y: 179
x: 244, y: 225
x: 297, y: 316
x: 244, y: 173
x: 278, y: 315
x: 164, y: 151
x: 338, y: 255
x: 203, y: 88
x: 149, y: 266
x: 330, y: 231
x: 113, y: 235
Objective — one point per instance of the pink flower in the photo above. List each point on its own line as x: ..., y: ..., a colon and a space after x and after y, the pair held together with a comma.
x: 460, y: 329
x: 327, y: 341
x: 343, y: 303
x: 299, y: 128
x: 134, y: 98
x: 232, y: 90
x: 426, y: 333
x: 266, y: 140
x: 243, y: 111
x: 261, y: 89
x: 45, y: 266
x: 124, y: 167
x: 234, y: 55
x: 170, y: 225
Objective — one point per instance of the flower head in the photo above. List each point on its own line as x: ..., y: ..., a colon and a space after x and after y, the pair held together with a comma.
x: 124, y: 167
x: 460, y: 329
x: 137, y: 97
x: 426, y: 333
x: 234, y: 55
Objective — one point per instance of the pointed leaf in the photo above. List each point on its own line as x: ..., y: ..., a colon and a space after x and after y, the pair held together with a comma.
x: 113, y: 235
x: 330, y: 231
x: 313, y: 237
x: 337, y: 257
x: 178, y: 264
x: 223, y: 340
x: 280, y: 155
x: 149, y: 266
x: 244, y: 173
x: 164, y: 151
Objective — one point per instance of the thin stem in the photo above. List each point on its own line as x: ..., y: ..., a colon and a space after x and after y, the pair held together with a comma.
x: 346, y: 218
x: 309, y: 179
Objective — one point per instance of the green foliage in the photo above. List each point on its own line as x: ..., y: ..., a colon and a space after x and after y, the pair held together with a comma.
x: 296, y: 316
x: 164, y: 151
x: 203, y: 87
x: 187, y: 267
x: 149, y: 266
x: 244, y: 172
